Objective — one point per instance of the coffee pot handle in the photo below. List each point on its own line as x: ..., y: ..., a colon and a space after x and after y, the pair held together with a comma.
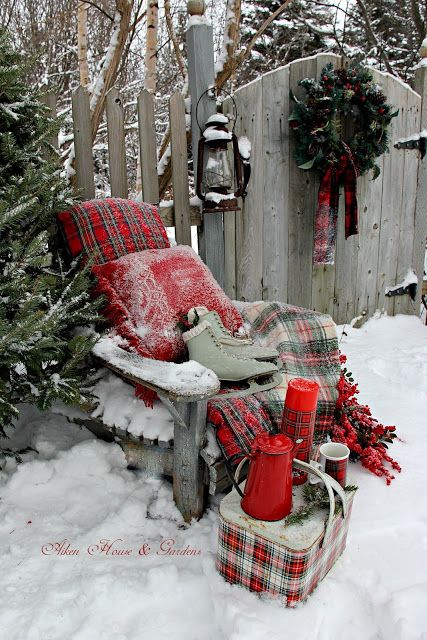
x: 237, y: 476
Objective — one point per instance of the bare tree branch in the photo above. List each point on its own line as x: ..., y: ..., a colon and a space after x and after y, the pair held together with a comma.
x: 132, y: 32
x: 108, y: 73
x: 226, y: 73
x: 106, y: 14
x: 372, y: 37
x: 233, y: 14
x: 172, y: 36
x: 10, y: 14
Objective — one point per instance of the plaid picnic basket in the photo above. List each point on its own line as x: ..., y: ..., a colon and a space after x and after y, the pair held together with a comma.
x: 284, y: 562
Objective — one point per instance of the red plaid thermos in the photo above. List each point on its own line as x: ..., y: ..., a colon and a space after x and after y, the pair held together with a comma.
x: 298, y: 419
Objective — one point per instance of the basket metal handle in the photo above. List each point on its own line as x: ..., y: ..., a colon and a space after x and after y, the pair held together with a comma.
x: 331, y: 485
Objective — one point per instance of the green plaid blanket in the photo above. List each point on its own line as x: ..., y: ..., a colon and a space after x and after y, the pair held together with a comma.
x: 308, y: 347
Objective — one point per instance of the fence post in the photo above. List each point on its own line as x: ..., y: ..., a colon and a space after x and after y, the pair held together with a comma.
x: 201, y: 76
x: 116, y: 144
x: 180, y: 169
x: 420, y: 221
x: 147, y: 147
x: 83, y: 143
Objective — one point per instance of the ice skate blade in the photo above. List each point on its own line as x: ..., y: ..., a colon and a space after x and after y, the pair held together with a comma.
x: 254, y: 387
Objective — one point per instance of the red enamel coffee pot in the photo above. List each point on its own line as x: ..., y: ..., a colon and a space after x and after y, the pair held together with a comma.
x: 268, y: 489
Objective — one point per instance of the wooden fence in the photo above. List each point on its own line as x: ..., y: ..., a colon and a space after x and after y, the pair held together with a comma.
x: 84, y: 166
x: 273, y: 234
x: 267, y: 247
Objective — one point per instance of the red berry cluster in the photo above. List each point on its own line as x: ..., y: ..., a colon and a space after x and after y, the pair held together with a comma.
x: 354, y: 425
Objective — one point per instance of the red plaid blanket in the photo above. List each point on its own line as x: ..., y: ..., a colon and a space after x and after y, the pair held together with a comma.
x: 308, y: 347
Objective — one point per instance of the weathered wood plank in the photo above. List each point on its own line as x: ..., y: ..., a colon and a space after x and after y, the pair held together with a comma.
x: 229, y: 221
x: 369, y: 194
x: 213, y: 243
x: 180, y: 169
x: 154, y: 460
x: 116, y: 144
x: 302, y: 202
x: 201, y: 76
x: 345, y: 261
x: 275, y: 154
x: 404, y: 304
x: 188, y: 466
x: 82, y: 127
x: 147, y: 147
x: 167, y: 214
x: 345, y: 271
x: 420, y: 218
x: 249, y: 221
x: 230, y: 270
x: 97, y: 427
x: 323, y: 276
x: 392, y: 193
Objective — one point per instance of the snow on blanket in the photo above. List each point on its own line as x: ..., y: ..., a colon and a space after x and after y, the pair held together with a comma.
x: 78, y: 489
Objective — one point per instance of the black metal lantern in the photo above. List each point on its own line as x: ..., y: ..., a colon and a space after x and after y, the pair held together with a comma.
x: 215, y: 177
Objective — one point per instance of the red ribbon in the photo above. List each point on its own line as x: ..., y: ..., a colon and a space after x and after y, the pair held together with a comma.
x: 325, y: 225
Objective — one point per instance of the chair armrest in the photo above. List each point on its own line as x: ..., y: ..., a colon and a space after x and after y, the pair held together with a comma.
x: 186, y: 382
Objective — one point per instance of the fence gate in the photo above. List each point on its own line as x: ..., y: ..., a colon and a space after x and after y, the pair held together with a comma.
x: 269, y: 244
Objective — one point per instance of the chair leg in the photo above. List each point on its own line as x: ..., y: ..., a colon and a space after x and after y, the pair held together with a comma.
x: 188, y: 466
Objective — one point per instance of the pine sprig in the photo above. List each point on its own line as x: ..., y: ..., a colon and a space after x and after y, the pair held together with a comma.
x: 315, y: 497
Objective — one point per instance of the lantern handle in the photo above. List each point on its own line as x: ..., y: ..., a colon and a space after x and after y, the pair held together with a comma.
x: 213, y: 89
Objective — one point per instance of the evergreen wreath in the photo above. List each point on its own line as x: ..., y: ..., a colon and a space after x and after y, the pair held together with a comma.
x: 318, y: 121
x: 344, y: 103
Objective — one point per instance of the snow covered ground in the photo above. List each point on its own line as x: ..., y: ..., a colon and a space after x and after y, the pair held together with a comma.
x: 78, y: 490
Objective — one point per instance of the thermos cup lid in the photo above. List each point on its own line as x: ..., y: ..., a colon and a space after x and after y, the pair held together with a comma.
x: 302, y: 394
x: 272, y: 443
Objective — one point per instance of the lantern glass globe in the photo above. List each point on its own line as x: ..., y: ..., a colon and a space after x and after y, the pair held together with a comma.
x: 218, y: 175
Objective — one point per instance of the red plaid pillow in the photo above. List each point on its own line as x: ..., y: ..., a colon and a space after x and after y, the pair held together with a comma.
x: 148, y: 292
x: 107, y: 229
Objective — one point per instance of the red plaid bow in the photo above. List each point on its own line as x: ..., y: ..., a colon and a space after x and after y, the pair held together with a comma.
x: 325, y: 225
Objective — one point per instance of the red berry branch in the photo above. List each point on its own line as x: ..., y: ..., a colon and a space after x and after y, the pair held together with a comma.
x: 354, y: 425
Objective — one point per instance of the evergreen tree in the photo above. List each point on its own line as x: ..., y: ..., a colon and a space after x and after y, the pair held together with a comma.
x: 386, y: 34
x: 41, y: 304
x: 302, y: 30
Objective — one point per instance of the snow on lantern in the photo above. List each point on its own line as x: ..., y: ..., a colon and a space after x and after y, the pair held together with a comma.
x: 215, y: 177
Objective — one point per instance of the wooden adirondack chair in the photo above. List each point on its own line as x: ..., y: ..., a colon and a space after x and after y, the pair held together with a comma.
x: 193, y: 468
x: 187, y: 404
